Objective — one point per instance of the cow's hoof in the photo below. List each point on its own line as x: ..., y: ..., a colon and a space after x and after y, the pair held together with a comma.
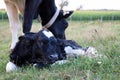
x: 91, y: 52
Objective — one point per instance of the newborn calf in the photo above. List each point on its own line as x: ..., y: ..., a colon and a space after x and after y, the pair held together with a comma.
x: 43, y: 49
x: 36, y: 48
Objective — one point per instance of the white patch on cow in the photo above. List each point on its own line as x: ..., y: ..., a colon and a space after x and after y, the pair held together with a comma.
x: 11, y: 67
x: 48, y: 33
x: 68, y: 49
x: 60, y: 62
x: 75, y: 52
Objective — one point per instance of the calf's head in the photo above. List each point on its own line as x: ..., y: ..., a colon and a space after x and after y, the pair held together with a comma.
x: 22, y: 52
x: 35, y: 48
x: 49, y: 45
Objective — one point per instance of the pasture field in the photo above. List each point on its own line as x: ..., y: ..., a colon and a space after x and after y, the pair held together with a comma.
x: 104, y: 36
x: 86, y: 15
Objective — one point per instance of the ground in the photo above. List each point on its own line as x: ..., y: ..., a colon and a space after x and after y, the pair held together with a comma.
x: 104, y: 36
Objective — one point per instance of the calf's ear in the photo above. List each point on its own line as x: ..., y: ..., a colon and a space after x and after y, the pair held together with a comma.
x: 69, y: 13
x: 24, y: 37
x: 30, y: 36
x: 21, y: 37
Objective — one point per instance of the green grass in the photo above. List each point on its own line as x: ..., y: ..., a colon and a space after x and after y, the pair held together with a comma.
x: 87, y: 15
x: 104, y: 36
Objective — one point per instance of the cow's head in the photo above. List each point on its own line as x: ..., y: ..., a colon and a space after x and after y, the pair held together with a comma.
x: 60, y: 24
x: 46, y: 9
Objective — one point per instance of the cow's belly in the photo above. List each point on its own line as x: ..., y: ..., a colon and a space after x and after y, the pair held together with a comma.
x: 20, y: 4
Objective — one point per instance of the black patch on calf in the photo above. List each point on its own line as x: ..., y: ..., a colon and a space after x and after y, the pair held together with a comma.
x: 22, y: 52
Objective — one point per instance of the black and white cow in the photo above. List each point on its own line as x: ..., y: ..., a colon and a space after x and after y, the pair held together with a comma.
x: 51, y: 17
x: 43, y: 49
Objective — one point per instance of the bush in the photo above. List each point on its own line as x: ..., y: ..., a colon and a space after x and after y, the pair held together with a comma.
x: 3, y: 15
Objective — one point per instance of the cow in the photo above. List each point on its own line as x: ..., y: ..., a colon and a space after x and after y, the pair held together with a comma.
x: 51, y: 17
x: 43, y: 49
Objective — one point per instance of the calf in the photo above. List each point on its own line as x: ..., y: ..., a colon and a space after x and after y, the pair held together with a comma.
x: 35, y: 48
x: 43, y: 49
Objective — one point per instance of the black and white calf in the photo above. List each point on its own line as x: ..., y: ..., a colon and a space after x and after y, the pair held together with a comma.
x: 43, y: 49
x: 35, y: 48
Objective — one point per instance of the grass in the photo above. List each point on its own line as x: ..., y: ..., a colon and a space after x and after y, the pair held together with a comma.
x: 104, y: 36
x: 88, y: 15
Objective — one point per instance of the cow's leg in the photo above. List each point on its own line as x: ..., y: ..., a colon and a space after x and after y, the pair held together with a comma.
x: 14, y: 21
x: 31, y: 7
x: 21, y: 6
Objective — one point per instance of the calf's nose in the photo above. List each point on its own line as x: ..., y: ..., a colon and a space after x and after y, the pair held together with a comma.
x: 53, y: 57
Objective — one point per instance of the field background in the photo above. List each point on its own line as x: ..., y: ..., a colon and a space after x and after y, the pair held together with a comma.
x: 84, y: 15
x: 103, y: 35
x: 88, y: 15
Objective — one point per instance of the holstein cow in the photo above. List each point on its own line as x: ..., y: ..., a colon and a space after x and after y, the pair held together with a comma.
x: 42, y: 49
x: 52, y: 18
